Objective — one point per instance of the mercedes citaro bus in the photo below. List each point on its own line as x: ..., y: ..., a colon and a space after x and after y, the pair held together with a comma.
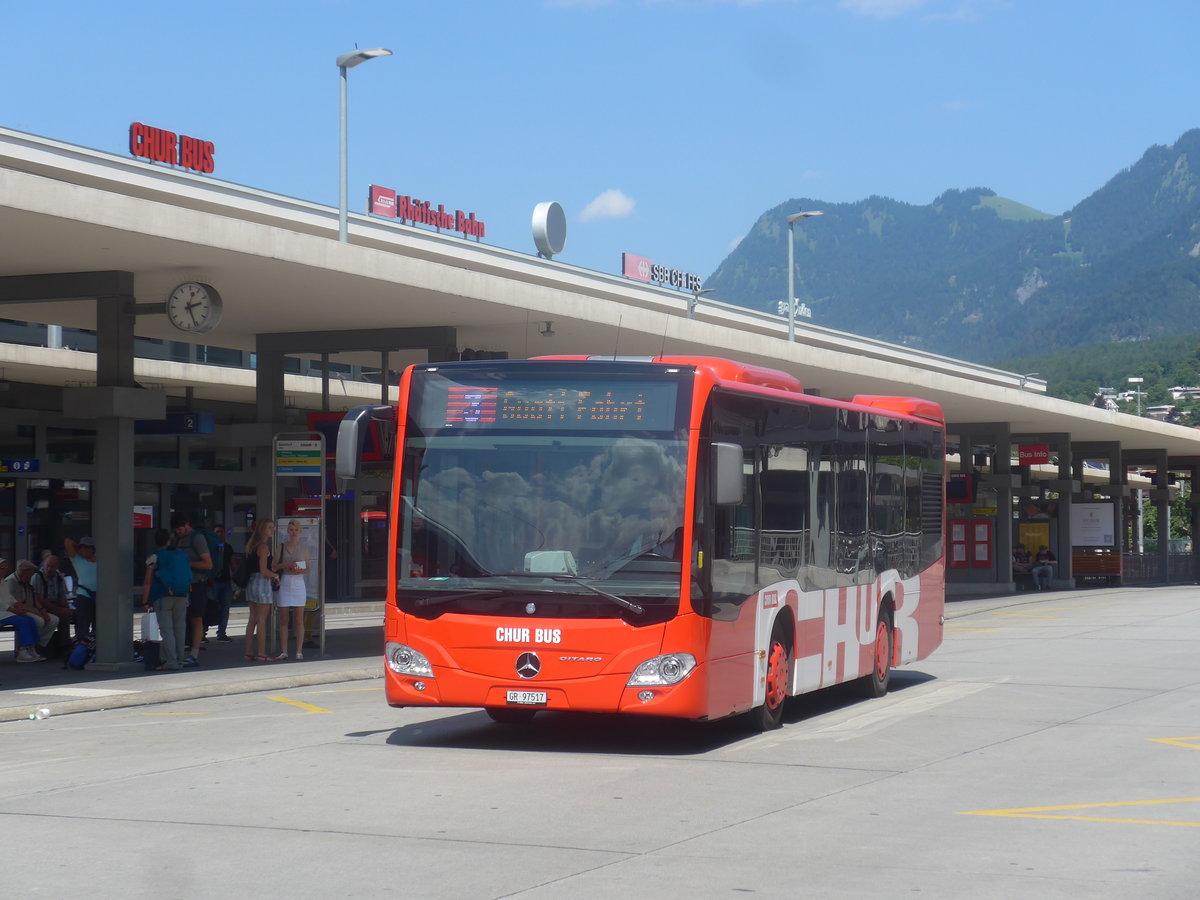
x: 671, y: 536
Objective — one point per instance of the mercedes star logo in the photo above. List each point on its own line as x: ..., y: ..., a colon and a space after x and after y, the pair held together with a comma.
x: 528, y: 665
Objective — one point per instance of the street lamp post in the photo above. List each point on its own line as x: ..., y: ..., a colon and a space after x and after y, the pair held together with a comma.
x: 344, y: 62
x: 695, y: 299
x: 1136, y: 381
x: 791, y: 296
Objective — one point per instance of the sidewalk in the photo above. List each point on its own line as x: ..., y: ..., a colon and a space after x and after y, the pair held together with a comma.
x: 353, y: 652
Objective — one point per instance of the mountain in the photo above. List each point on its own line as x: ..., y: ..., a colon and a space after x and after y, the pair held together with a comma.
x: 976, y: 276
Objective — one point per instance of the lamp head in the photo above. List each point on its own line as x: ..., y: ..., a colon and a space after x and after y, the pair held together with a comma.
x: 796, y: 217
x: 350, y: 60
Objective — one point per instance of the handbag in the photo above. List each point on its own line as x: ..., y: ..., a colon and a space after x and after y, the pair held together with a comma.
x: 150, y: 630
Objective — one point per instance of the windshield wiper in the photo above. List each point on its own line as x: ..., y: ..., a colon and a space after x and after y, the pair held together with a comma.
x: 439, y: 599
x: 635, y: 608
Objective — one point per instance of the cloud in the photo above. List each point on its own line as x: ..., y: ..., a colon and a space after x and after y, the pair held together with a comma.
x: 612, y: 204
x: 880, y: 9
x: 733, y: 245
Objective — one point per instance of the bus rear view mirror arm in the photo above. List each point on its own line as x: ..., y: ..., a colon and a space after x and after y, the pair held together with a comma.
x: 352, y: 432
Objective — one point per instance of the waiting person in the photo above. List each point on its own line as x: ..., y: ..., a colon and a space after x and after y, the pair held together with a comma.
x: 82, y: 557
x: 193, y: 544
x: 1043, y: 567
x: 16, y: 609
x: 260, y: 592
x: 293, y: 594
x: 1022, y: 562
x: 221, y: 586
x: 171, y: 607
x: 50, y: 595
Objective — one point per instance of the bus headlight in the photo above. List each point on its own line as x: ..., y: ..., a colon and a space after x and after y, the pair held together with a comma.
x: 404, y: 660
x: 663, y: 670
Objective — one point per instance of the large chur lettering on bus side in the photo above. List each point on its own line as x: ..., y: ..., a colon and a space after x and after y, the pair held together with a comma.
x: 906, y: 634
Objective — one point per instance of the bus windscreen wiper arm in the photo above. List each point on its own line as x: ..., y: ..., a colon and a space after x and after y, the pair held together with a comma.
x: 634, y: 608
x: 439, y: 599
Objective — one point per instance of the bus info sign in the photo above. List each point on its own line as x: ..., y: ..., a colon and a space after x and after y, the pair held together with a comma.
x: 1033, y: 454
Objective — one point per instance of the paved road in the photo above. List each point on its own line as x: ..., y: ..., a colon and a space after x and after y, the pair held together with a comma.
x: 1049, y: 749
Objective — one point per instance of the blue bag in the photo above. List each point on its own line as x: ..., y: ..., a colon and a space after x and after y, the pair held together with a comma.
x: 173, y: 573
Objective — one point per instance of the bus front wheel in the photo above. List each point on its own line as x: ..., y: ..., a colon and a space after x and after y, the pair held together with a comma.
x: 769, y: 716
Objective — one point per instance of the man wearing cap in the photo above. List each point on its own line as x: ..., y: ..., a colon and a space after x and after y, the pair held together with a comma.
x: 16, y: 609
x: 83, y: 559
x: 193, y: 543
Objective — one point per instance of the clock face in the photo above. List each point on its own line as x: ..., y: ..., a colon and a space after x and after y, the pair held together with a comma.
x: 194, y: 307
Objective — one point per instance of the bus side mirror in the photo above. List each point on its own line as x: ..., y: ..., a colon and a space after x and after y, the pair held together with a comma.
x: 727, y: 479
x: 351, y: 435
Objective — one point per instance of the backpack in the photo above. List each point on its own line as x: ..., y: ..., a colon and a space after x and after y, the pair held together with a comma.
x: 216, y: 551
x: 81, y: 654
x: 247, y: 567
x: 173, y: 573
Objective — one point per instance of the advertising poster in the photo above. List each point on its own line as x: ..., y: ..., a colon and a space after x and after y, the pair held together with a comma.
x: 1093, y: 525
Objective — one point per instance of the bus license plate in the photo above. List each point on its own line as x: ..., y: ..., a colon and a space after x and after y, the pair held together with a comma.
x: 527, y: 698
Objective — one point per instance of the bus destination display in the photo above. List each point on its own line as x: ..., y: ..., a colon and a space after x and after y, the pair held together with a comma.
x: 637, y: 406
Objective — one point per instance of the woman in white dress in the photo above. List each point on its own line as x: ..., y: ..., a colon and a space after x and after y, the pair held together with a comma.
x: 292, y: 566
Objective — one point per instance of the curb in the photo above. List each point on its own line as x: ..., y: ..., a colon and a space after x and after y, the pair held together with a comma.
x: 196, y: 692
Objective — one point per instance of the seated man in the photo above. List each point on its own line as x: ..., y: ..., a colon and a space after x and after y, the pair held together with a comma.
x: 1022, y: 563
x: 16, y: 609
x: 50, y: 595
x: 1043, y: 568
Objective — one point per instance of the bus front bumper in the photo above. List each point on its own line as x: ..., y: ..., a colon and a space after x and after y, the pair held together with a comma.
x: 608, y: 693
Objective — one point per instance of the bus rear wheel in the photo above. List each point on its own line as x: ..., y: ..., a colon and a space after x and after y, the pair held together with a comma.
x: 507, y: 715
x: 769, y: 716
x: 876, y: 684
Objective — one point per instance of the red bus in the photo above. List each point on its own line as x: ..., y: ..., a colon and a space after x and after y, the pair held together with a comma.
x: 672, y: 536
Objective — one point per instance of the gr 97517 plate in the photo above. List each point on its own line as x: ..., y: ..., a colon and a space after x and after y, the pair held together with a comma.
x: 526, y: 698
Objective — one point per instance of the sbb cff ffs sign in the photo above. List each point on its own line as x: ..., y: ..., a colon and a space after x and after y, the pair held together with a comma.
x: 642, y: 269
x: 159, y: 145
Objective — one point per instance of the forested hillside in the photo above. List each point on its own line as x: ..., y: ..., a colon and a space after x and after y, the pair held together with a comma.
x: 980, y: 277
x: 1163, y: 363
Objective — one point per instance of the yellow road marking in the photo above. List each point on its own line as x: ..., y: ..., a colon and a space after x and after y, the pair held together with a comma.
x: 1180, y: 741
x: 1057, y: 812
x: 300, y: 704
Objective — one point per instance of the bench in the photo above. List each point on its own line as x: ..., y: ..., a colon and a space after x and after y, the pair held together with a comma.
x: 1023, y: 581
x: 1096, y: 565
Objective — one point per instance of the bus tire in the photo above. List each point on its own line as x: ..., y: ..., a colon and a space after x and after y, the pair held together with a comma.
x: 769, y: 716
x: 876, y: 684
x: 507, y: 715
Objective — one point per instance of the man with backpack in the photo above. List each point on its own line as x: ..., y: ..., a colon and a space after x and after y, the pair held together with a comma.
x: 196, y: 548
x: 167, y: 585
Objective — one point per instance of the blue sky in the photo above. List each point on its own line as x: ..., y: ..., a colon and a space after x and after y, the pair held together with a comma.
x: 663, y: 127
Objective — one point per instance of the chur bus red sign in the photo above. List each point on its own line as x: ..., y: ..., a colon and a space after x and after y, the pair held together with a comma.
x: 642, y: 269
x: 162, y: 146
x: 386, y: 202
x: 1033, y: 454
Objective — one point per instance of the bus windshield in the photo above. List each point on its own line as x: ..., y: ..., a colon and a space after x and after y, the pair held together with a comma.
x: 528, y: 492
